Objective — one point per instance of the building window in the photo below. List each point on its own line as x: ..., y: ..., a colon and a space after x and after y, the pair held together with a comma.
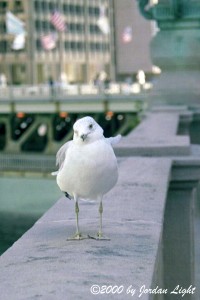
x: 72, y: 27
x: 52, y: 7
x: 105, y: 47
x: 73, y: 45
x: 18, y: 6
x: 44, y: 5
x: 72, y: 9
x: 2, y: 27
x: 80, y: 27
x: 79, y: 10
x: 76, y: 27
x: 3, y: 46
x: 99, y: 47
x: 94, y: 29
x: 37, y: 6
x: 80, y: 46
x: 3, y: 6
x: 67, y: 45
x: 38, y: 45
x: 45, y: 26
x: 93, y: 11
x: 37, y: 25
x: 66, y: 8
x: 92, y: 47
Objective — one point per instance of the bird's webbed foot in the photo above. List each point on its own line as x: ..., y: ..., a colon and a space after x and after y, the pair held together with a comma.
x: 99, y: 236
x: 77, y: 237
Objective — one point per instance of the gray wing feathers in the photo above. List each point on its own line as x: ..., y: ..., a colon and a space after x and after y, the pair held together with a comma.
x: 60, y: 156
x: 114, y: 140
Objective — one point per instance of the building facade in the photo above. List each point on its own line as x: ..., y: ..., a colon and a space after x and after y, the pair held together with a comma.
x: 133, y: 36
x: 81, y: 52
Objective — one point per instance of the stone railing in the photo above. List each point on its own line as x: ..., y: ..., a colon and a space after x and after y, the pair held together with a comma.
x: 44, y: 91
x: 151, y: 217
x: 27, y: 163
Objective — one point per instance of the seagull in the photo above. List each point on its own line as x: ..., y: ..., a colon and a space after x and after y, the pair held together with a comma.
x: 87, y: 168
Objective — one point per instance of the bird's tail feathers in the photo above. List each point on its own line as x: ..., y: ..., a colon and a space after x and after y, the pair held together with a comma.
x: 114, y: 140
x: 54, y: 173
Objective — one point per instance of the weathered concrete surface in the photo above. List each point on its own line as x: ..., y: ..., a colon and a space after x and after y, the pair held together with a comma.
x: 43, y: 265
x: 156, y: 136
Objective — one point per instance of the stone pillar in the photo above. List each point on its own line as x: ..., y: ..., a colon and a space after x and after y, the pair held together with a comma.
x: 178, y: 239
x: 176, y: 50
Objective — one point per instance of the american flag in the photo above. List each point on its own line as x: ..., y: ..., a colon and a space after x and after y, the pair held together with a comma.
x: 48, y: 41
x: 58, y: 21
x: 103, y: 21
x: 127, y: 35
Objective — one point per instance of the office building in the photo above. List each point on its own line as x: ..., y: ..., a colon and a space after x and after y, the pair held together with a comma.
x: 81, y: 51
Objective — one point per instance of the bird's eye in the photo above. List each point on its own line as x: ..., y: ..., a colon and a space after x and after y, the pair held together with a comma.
x: 90, y: 126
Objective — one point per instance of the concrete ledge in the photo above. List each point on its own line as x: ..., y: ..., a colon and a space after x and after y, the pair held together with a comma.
x: 171, y: 147
x: 43, y: 265
x: 156, y: 136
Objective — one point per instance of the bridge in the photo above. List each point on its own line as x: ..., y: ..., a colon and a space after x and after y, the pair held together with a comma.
x: 73, y: 98
x: 37, y: 119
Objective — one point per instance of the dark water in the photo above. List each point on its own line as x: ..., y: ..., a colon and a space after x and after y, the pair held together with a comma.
x: 22, y: 202
x: 13, y: 226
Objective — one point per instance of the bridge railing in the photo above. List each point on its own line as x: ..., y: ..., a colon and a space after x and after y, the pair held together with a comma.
x: 15, y: 162
x: 44, y: 90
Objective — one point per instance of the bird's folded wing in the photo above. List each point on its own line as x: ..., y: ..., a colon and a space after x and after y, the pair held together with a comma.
x: 60, y: 156
x: 114, y: 140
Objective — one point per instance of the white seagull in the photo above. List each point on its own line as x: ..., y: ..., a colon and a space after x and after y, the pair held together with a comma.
x: 87, y: 167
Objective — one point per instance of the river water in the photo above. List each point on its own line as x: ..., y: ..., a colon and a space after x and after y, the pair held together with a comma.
x: 22, y: 202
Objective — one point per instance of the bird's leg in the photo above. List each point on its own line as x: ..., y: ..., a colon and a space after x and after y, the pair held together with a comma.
x: 100, y: 235
x: 77, y: 222
x: 78, y: 235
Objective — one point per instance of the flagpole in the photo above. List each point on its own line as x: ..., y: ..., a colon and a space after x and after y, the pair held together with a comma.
x: 87, y: 65
x: 111, y: 41
x: 8, y: 64
x: 15, y: 27
x: 61, y: 50
x: 9, y: 68
x: 61, y: 56
x: 59, y: 23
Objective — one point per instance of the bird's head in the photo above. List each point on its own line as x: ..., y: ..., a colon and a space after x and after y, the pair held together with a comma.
x: 86, y: 130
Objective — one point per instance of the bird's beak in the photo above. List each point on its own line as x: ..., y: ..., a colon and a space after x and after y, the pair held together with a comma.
x: 83, y: 136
